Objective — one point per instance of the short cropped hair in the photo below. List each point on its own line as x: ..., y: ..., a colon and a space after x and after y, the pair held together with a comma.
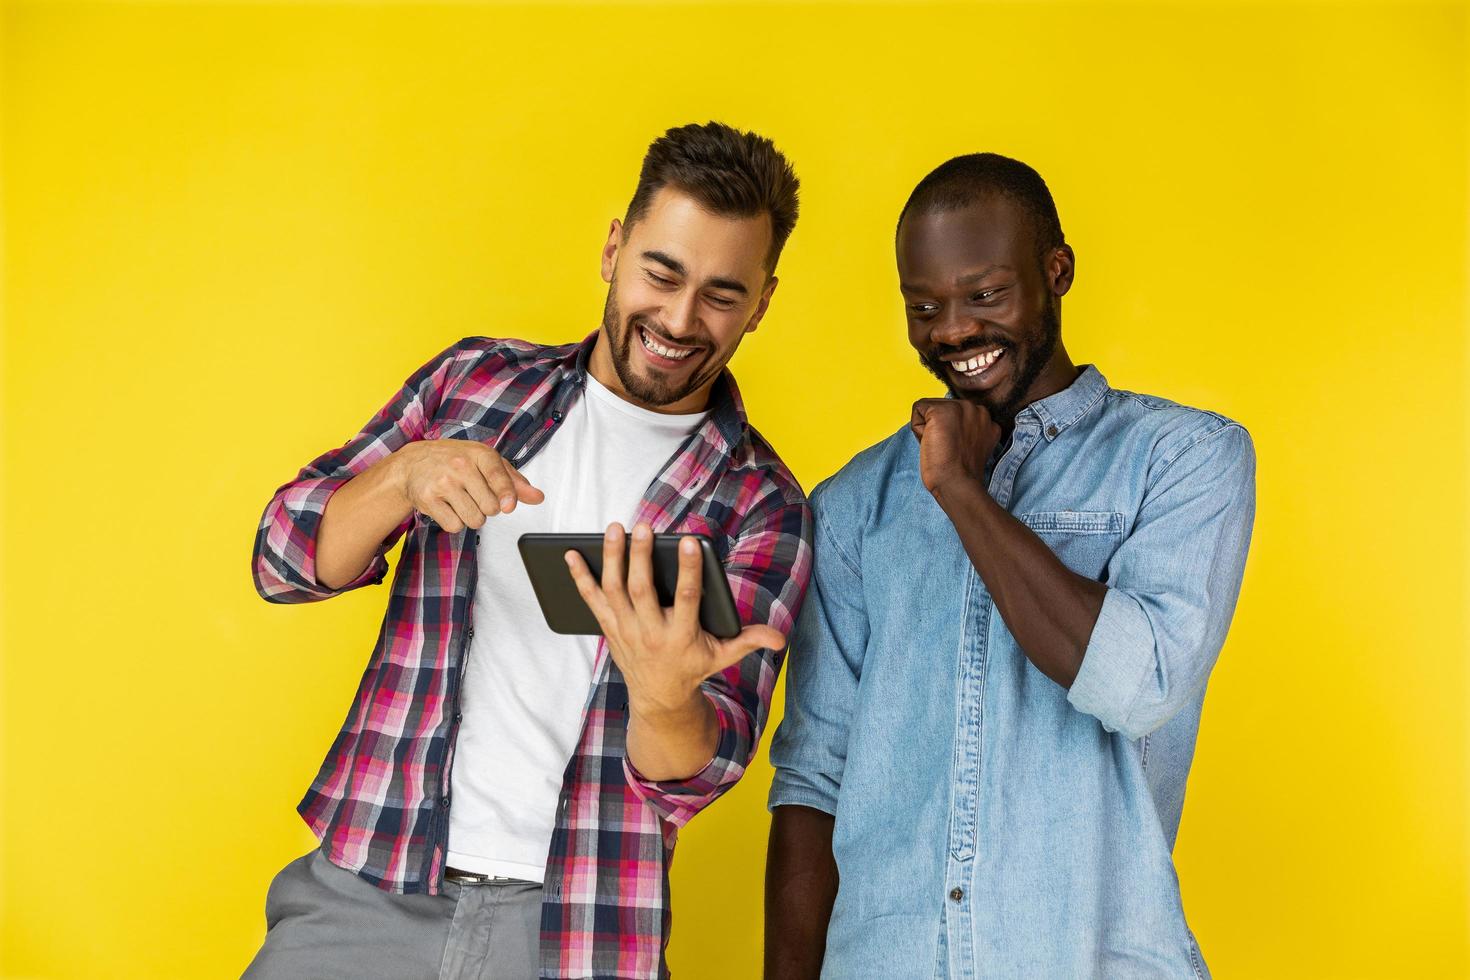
x: 960, y: 182
x: 729, y: 172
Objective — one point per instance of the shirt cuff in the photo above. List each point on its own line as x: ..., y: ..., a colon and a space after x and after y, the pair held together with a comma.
x: 318, y: 492
x: 786, y: 791
x: 677, y: 800
x: 1119, y: 656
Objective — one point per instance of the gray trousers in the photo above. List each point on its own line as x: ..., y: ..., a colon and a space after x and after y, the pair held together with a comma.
x: 324, y: 923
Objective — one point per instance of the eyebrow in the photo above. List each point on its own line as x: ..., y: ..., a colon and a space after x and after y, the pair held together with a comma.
x: 961, y: 281
x: 677, y: 268
x: 977, y: 276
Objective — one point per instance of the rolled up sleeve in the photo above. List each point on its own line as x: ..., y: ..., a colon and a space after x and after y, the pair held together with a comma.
x: 676, y: 801
x: 285, y: 548
x: 809, y: 749
x: 1172, y: 588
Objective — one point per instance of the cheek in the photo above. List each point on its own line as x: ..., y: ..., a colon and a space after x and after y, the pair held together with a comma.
x: 635, y: 297
x: 726, y: 329
x: 726, y: 336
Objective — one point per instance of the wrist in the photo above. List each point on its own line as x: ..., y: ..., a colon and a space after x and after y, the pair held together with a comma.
x: 958, y: 489
x: 669, y: 710
x: 393, y: 473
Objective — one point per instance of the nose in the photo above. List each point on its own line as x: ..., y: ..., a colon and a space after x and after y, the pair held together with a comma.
x: 954, y: 328
x: 682, y: 315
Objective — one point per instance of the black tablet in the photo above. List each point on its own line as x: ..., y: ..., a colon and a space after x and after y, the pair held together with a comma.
x: 562, y: 604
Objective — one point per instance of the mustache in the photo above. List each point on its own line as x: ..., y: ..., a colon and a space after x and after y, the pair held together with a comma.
x: 940, y: 351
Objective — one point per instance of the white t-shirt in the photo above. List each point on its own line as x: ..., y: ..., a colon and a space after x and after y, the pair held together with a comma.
x: 525, y: 686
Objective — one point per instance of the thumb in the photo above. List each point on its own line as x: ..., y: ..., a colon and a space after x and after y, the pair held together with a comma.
x: 730, y: 652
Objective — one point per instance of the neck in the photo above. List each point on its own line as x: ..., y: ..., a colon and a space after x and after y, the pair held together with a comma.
x: 1058, y: 375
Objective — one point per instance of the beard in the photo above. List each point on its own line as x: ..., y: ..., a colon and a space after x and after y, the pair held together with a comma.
x: 654, y: 391
x: 1028, y: 361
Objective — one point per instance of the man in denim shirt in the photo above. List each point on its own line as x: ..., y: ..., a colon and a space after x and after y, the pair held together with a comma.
x: 996, y: 681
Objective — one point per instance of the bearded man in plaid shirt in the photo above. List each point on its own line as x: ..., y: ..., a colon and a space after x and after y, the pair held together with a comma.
x: 503, y: 801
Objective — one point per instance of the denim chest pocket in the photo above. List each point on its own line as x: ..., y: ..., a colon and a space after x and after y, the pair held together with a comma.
x: 1083, y: 539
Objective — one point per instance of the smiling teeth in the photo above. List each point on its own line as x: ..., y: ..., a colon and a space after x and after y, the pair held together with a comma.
x: 978, y: 363
x: 661, y: 350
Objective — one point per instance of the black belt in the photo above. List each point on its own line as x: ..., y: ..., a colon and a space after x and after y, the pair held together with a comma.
x: 472, y: 877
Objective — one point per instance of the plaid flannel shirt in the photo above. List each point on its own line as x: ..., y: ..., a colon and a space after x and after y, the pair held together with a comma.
x: 380, y: 803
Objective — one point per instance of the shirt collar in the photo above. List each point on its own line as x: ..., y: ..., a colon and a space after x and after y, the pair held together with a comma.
x: 1057, y: 412
x: 726, y: 408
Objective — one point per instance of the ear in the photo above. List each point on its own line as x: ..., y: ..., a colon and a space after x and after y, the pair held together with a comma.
x: 1060, y: 269
x: 610, y: 249
x: 760, y: 306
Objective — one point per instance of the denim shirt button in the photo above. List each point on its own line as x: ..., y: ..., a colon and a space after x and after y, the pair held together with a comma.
x: 955, y: 894
x: 1051, y: 432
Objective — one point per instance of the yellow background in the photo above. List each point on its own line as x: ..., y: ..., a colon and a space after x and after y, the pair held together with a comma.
x: 232, y: 230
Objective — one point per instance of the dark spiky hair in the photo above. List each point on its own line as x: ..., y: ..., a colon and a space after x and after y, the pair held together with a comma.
x: 729, y: 172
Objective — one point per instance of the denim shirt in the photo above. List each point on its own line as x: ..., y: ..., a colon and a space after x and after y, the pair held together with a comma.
x: 989, y: 822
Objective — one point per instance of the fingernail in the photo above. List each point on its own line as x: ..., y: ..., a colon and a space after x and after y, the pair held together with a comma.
x: 688, y: 545
x: 507, y: 502
x: 640, y: 532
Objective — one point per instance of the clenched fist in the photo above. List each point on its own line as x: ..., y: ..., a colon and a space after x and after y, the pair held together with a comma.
x: 956, y: 438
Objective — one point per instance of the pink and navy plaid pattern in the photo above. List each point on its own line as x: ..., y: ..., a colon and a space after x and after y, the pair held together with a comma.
x: 380, y: 803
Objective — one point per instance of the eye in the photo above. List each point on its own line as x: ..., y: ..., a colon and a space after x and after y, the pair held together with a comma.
x: 720, y: 302
x: 922, y: 309
x: 983, y: 295
x: 657, y: 279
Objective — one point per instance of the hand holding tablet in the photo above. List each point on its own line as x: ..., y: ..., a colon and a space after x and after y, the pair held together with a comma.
x: 567, y: 612
x: 664, y: 651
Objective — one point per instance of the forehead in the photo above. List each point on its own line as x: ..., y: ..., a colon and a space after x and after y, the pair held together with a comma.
x: 943, y: 244
x: 704, y: 242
